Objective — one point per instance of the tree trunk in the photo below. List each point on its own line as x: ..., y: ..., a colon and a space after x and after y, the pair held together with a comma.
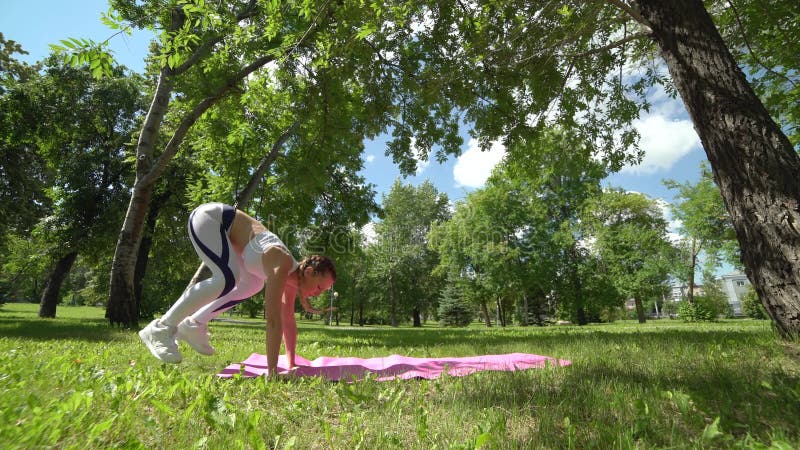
x: 639, y: 310
x: 692, y: 268
x: 143, y: 256
x: 485, y: 312
x: 52, y: 290
x: 525, y: 312
x: 361, y: 312
x: 501, y: 319
x: 122, y: 307
x: 753, y: 162
x: 416, y: 317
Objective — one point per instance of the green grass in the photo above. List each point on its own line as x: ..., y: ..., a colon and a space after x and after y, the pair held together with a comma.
x: 75, y: 382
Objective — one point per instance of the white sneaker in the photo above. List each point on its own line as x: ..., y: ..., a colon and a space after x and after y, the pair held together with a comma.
x: 160, y: 340
x: 196, y: 335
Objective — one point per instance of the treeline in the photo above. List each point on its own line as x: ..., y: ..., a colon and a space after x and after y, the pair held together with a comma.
x: 541, y: 241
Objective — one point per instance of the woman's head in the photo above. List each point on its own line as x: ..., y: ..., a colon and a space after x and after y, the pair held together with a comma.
x: 316, y: 275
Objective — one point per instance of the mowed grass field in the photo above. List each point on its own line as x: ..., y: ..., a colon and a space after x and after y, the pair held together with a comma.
x: 75, y: 382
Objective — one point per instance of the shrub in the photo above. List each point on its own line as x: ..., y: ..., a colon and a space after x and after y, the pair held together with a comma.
x: 698, y: 311
x: 752, y: 306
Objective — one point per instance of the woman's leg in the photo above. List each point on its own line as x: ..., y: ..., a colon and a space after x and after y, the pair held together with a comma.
x: 194, y: 329
x: 247, y: 286
x: 208, y: 231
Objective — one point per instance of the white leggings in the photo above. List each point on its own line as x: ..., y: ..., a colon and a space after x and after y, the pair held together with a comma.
x: 231, y: 282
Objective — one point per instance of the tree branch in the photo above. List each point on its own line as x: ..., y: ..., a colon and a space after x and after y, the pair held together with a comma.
x: 246, y: 194
x: 249, y: 11
x: 627, y: 9
x: 614, y: 44
x: 189, y: 119
x: 750, y: 49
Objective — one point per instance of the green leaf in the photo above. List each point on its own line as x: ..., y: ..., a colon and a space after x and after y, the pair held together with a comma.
x: 481, y: 440
x: 101, y: 427
x: 712, y: 431
x: 109, y: 22
x: 366, y: 30
x: 69, y: 43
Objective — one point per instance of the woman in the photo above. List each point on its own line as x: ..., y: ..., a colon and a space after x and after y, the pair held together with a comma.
x: 243, y: 256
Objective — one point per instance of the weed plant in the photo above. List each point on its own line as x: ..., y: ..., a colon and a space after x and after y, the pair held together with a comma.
x: 75, y: 382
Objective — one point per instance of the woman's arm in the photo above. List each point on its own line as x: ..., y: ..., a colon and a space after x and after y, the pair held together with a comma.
x: 310, y: 309
x: 277, y: 264
x: 289, y: 323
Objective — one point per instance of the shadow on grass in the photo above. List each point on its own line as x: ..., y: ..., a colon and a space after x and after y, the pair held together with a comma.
x: 92, y: 330
x: 562, y: 338
x: 743, y: 390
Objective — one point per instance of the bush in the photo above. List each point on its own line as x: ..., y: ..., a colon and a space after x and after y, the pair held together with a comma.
x: 752, y: 306
x: 698, y: 311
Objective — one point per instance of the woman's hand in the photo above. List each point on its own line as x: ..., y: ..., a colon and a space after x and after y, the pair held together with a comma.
x: 311, y: 310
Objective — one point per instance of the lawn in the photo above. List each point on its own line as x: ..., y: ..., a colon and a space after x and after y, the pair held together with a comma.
x: 76, y: 382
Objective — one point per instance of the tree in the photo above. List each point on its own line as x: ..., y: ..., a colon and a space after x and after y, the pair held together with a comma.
x: 630, y: 237
x: 190, y: 34
x: 530, y: 64
x: 518, y: 239
x: 409, y: 212
x: 84, y: 128
x: 752, y: 307
x: 24, y: 177
x: 563, y: 173
x: 453, y: 310
x: 705, y: 225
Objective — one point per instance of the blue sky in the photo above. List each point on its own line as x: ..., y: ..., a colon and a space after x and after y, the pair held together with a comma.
x: 672, y: 149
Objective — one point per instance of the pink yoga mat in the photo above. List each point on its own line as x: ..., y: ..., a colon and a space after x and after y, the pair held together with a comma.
x: 392, y: 367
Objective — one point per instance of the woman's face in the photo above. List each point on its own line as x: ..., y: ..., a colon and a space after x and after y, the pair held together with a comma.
x: 313, y: 284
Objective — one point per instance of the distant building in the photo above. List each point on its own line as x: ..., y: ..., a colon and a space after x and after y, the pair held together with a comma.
x: 679, y: 292
x: 735, y: 285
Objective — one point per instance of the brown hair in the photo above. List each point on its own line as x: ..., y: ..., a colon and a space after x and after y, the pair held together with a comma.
x: 320, y: 264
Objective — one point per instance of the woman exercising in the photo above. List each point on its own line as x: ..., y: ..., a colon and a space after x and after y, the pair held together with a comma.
x: 243, y: 256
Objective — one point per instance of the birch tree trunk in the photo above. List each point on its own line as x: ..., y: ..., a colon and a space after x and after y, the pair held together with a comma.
x: 753, y: 161
x: 122, y: 306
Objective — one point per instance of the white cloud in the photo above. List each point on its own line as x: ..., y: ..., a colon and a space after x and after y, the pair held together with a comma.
x: 369, y: 233
x: 663, y: 141
x: 370, y: 158
x: 673, y: 225
x: 421, y: 164
x: 474, y: 166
